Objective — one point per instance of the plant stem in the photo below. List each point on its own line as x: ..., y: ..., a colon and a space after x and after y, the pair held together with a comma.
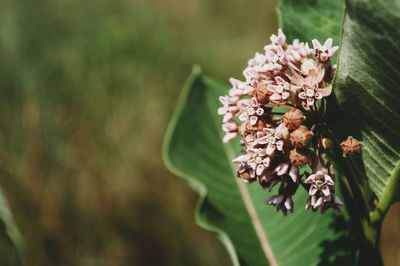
x: 389, y: 196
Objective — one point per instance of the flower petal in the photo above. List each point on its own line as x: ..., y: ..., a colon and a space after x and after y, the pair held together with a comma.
x: 229, y: 136
x: 337, y: 201
x: 276, y: 97
x: 325, y: 190
x: 313, y: 190
x: 270, y: 149
x: 279, y: 80
x: 282, y: 169
x: 260, y: 111
x: 294, y: 174
x: 332, y: 51
x: 243, y: 116
x: 310, y: 179
x: 279, y: 145
x: 329, y: 180
x: 222, y: 110
x: 269, y: 131
x: 254, y: 102
x: 271, y: 88
x: 285, y: 95
x: 289, y: 203
x: 260, y: 169
x: 318, y: 96
x: 325, y: 91
x: 319, y: 203
x: 328, y: 43
x: 242, y: 158
x: 267, y: 161
x: 253, y: 120
x: 316, y: 44
x: 302, y: 95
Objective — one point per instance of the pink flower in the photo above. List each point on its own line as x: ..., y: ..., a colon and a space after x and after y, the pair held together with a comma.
x: 281, y: 202
x: 229, y: 107
x: 324, y: 202
x: 250, y: 74
x: 257, y: 60
x: 280, y: 92
x: 250, y: 110
x: 271, y: 138
x: 310, y: 85
x: 319, y: 182
x: 238, y: 87
x: 310, y: 93
x: 323, y: 52
x: 297, y: 51
x: 279, y: 40
x: 284, y: 171
x: 275, y: 60
x: 229, y: 136
x: 230, y: 129
x: 256, y: 159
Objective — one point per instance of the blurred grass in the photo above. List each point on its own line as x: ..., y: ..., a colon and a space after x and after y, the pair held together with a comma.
x: 86, y: 92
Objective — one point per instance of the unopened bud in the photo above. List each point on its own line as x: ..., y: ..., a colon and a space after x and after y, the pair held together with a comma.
x: 299, y: 157
x: 262, y: 94
x: 245, y: 176
x: 326, y: 143
x: 351, y: 146
x: 293, y: 119
x: 301, y: 137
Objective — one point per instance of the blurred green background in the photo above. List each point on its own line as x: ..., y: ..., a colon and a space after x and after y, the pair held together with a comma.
x: 86, y: 92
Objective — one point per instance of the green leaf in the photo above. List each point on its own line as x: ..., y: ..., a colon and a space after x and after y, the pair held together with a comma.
x: 367, y: 90
x: 252, y: 232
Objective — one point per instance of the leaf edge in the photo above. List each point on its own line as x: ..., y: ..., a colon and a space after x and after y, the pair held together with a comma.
x: 193, y: 183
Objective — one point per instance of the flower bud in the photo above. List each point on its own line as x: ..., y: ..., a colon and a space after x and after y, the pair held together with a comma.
x: 245, y: 176
x: 299, y: 158
x: 293, y: 119
x: 326, y: 143
x: 301, y: 137
x: 351, y: 146
x: 261, y: 93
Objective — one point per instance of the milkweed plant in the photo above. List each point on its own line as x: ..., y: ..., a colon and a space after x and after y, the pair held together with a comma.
x: 279, y: 112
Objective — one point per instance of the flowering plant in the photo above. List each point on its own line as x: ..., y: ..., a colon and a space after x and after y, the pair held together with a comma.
x: 287, y: 116
x: 279, y: 112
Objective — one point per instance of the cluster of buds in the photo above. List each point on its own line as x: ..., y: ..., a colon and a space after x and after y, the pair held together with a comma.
x: 278, y: 111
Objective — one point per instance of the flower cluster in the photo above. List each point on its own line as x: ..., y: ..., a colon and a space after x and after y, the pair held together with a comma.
x: 278, y: 111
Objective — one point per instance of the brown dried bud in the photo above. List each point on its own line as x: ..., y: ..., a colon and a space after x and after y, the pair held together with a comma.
x: 301, y: 137
x: 351, y: 146
x: 259, y: 126
x: 293, y: 119
x: 246, y: 177
x: 261, y: 93
x: 299, y: 157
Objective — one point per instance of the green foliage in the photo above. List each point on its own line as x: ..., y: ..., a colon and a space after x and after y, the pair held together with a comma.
x: 194, y: 150
x: 365, y: 105
x: 367, y: 88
